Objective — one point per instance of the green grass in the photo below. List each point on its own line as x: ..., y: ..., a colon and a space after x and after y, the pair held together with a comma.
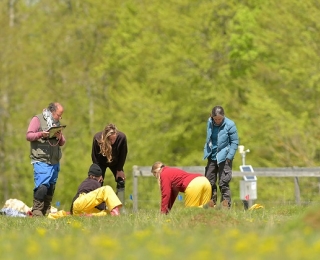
x: 279, y: 232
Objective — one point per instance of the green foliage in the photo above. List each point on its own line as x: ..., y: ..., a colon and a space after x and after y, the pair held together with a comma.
x: 156, y: 69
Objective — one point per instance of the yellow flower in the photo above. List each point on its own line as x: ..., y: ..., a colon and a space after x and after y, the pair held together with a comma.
x: 41, y: 231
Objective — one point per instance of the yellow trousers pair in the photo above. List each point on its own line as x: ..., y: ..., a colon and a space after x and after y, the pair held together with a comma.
x: 198, y: 192
x: 86, y: 202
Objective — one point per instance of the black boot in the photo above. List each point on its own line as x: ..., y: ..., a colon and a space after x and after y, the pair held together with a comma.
x: 38, y: 201
x: 37, y: 208
x: 47, y: 205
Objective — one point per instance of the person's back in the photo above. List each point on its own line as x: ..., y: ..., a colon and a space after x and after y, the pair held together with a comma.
x: 177, y: 178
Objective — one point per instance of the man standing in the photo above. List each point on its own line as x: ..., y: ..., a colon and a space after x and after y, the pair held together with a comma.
x: 45, y: 154
x: 220, y: 147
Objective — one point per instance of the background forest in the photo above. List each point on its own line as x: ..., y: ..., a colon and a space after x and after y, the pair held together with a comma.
x: 156, y: 69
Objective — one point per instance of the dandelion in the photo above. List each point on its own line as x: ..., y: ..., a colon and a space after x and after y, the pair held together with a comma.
x: 41, y: 231
x: 77, y: 224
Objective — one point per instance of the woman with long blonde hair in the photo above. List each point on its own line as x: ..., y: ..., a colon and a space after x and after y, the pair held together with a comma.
x: 195, y: 186
x: 109, y: 150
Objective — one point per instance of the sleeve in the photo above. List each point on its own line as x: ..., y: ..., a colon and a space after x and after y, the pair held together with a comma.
x: 208, y: 145
x: 33, y: 133
x: 95, y: 150
x: 167, y: 195
x: 173, y: 197
x: 123, y: 151
x: 233, y: 140
x: 62, y: 140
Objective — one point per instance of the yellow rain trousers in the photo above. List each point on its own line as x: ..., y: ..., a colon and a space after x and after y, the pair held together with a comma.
x: 86, y: 202
x: 198, y: 192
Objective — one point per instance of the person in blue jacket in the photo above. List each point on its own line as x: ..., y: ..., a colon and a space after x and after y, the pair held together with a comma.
x: 220, y: 148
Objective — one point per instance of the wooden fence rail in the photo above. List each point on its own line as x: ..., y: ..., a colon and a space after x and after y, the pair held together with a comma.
x: 295, y: 172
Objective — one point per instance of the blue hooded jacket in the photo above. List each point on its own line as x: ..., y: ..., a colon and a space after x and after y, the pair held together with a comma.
x: 227, y: 140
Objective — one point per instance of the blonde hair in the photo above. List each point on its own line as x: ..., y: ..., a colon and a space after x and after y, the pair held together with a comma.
x: 157, y: 169
x: 104, y: 142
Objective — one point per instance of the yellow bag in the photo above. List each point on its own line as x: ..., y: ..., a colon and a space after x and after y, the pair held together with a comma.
x: 58, y: 214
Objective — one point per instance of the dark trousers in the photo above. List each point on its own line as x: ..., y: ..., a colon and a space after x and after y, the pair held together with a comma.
x: 222, y: 173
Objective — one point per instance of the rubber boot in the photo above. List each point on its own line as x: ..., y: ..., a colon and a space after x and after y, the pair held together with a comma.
x: 121, y: 193
x: 47, y: 205
x: 37, y: 208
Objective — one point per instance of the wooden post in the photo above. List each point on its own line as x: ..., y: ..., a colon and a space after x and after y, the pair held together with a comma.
x: 135, y: 188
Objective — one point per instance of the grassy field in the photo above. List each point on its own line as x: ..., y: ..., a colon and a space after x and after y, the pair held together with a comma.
x: 279, y: 232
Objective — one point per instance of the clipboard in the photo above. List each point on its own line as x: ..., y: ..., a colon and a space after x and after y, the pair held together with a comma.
x: 52, y: 130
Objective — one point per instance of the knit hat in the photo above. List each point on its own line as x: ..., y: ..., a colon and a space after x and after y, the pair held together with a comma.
x: 95, y: 170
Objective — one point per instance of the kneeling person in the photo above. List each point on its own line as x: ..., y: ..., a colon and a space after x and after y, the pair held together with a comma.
x: 93, y: 199
x: 196, y: 187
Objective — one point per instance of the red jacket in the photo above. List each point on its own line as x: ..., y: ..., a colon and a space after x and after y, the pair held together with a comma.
x: 173, y: 181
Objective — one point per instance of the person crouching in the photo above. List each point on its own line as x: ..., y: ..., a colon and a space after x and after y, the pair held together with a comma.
x: 196, y: 187
x: 92, y: 199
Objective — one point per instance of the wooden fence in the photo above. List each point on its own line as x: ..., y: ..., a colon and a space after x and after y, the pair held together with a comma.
x: 294, y: 172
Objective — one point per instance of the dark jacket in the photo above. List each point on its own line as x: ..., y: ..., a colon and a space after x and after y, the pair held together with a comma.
x: 85, y: 187
x: 119, y: 153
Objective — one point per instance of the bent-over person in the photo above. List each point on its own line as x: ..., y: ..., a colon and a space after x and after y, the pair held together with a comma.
x: 195, y: 186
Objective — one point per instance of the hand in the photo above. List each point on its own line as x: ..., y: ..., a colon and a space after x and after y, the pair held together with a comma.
x: 100, y: 179
x: 121, y: 175
x: 45, y: 134
x: 58, y: 134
